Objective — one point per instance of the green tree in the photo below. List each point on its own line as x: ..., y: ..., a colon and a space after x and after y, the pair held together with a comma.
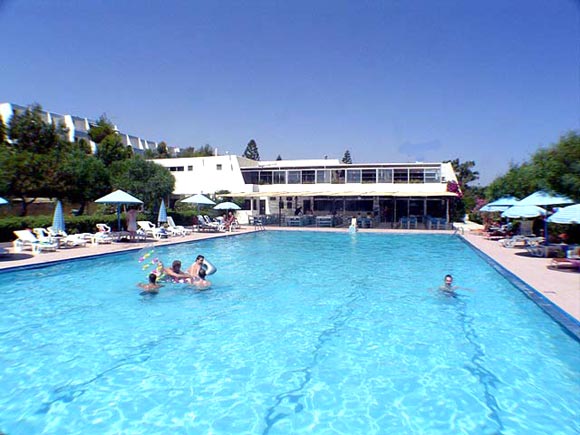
x: 146, y: 180
x: 465, y: 174
x: 558, y: 166
x: 520, y: 181
x: 251, y: 151
x: 111, y: 149
x: 84, y: 178
x: 2, y: 131
x: 347, y: 159
x: 101, y: 129
x: 162, y: 150
x: 29, y: 162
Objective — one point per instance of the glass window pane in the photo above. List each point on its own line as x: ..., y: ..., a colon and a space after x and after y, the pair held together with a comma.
x: 369, y: 176
x: 265, y: 177
x: 338, y: 176
x: 432, y: 175
x: 279, y: 177
x: 308, y: 177
x: 416, y: 175
x: 323, y: 176
x: 294, y: 177
x: 401, y: 175
x: 385, y: 176
x: 353, y: 175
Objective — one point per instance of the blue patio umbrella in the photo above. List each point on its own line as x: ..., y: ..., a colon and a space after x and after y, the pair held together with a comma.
x: 118, y: 197
x: 198, y: 199
x: 523, y: 212
x: 545, y: 199
x: 566, y: 215
x: 3, y: 201
x: 162, y: 216
x: 542, y: 198
x: 227, y: 206
x: 500, y: 204
x: 58, y: 224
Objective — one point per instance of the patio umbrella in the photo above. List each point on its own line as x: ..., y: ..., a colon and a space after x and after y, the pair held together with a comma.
x: 119, y: 197
x: 542, y: 199
x: 58, y: 219
x: 523, y: 212
x: 3, y: 201
x: 566, y: 215
x: 162, y: 216
x: 227, y: 206
x: 198, y: 199
x: 500, y: 204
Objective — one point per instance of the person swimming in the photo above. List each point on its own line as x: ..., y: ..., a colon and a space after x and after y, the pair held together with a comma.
x: 448, y: 286
x: 176, y: 274
x: 151, y: 287
x: 198, y: 273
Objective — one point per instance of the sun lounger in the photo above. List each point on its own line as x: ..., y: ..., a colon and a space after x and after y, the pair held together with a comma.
x: 178, y: 229
x: 564, y: 263
x: 151, y: 230
x: 27, y: 239
x: 68, y: 240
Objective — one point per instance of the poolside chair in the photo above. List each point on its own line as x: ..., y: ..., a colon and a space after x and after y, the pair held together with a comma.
x: 151, y: 230
x: 27, y: 239
x: 179, y: 229
x: 68, y: 240
x: 564, y: 263
x: 205, y: 224
x: 103, y: 228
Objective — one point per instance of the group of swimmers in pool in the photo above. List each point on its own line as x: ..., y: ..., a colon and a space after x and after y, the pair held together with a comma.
x: 195, y: 275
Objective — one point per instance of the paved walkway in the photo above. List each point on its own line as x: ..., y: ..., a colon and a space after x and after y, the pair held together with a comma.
x: 560, y: 287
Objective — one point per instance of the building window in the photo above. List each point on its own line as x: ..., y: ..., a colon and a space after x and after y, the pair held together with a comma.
x: 416, y: 175
x: 218, y: 167
x: 353, y: 175
x: 190, y: 168
x: 289, y: 202
x: 338, y: 176
x: 401, y: 175
x: 250, y: 177
x: 308, y: 177
x: 279, y: 177
x: 294, y: 177
x: 323, y: 176
x: 176, y: 168
x: 265, y: 177
x: 432, y: 175
x: 385, y: 175
x: 369, y: 176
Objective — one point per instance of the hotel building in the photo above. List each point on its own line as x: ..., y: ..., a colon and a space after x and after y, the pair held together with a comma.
x: 393, y: 194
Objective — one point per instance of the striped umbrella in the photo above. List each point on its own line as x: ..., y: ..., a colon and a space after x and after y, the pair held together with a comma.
x: 162, y: 216
x: 58, y: 219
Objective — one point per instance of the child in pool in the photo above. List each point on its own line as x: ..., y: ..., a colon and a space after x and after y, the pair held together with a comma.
x: 151, y: 287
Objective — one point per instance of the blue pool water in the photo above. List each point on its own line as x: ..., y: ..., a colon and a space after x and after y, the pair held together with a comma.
x: 301, y: 332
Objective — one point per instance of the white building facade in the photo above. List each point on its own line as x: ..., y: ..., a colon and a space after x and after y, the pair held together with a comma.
x: 78, y: 128
x: 387, y: 191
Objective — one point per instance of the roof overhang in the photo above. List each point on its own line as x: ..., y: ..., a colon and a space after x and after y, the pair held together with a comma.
x: 415, y: 194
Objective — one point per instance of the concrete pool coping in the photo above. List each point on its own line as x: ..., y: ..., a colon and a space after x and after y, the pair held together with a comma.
x: 560, y: 288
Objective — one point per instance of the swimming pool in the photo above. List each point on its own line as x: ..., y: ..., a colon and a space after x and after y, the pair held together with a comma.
x: 302, y: 332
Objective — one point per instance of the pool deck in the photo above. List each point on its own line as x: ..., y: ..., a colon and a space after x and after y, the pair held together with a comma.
x: 560, y: 287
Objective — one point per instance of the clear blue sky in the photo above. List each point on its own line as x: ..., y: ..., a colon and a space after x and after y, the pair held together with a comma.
x: 392, y: 81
